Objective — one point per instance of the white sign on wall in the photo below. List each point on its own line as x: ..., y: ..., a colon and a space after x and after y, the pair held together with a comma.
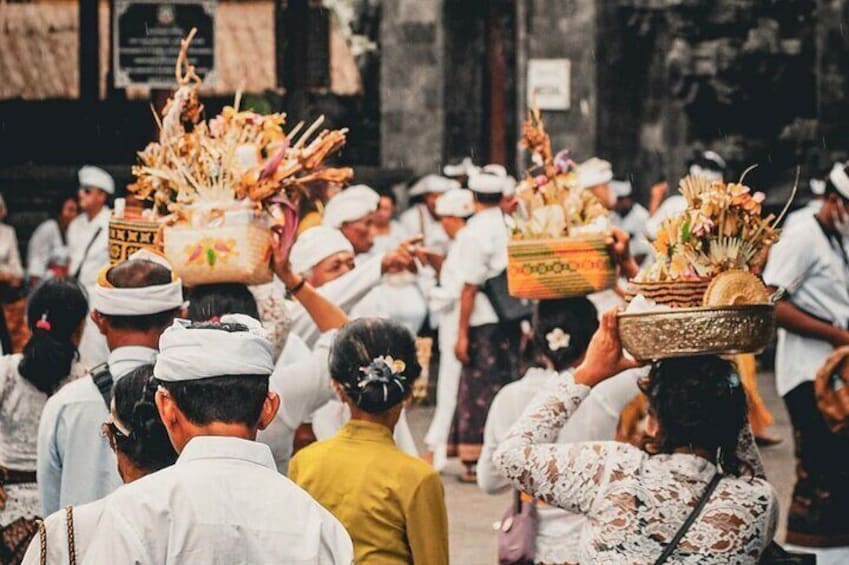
x: 549, y: 83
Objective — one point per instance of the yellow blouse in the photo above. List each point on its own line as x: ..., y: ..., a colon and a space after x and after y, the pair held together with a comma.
x: 391, y: 503
x: 310, y: 220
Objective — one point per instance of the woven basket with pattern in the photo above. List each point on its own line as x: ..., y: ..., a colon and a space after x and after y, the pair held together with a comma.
x: 128, y: 236
x: 221, y: 254
x: 677, y: 294
x: 556, y: 268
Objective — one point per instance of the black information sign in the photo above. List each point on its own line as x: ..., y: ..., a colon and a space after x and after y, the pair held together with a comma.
x: 146, y: 38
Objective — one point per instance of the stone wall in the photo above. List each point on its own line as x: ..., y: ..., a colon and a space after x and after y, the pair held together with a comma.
x: 411, y: 85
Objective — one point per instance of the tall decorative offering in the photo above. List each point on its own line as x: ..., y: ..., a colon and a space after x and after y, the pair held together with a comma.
x: 218, y: 186
x: 703, y: 294
x: 558, y: 244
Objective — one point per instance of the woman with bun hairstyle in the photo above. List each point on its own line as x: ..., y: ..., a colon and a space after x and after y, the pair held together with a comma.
x: 391, y: 503
x: 636, y: 500
x: 141, y: 446
x: 55, y: 316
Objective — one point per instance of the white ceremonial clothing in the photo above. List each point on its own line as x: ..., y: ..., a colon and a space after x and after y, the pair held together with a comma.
x: 86, y: 517
x: 812, y: 270
x: 75, y: 462
x: 445, y: 305
x: 223, y: 502
x: 303, y: 383
x: 482, y: 252
x: 809, y: 209
x: 10, y: 257
x: 389, y: 241
x: 670, y: 207
x: 397, y: 298
x: 345, y: 292
x: 417, y: 220
x: 330, y: 418
x: 46, y: 248
x: 81, y: 232
x: 558, y: 531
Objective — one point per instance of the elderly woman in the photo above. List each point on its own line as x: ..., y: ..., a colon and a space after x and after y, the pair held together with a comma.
x: 636, y: 501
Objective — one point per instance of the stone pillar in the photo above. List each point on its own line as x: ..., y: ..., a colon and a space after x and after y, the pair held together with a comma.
x: 567, y: 29
x: 411, y: 85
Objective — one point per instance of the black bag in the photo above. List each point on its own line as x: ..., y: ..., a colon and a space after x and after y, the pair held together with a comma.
x: 774, y: 554
x: 507, y: 308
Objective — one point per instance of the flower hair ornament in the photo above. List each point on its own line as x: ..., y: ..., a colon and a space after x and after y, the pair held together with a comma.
x: 386, y: 371
x: 44, y: 323
x: 558, y: 339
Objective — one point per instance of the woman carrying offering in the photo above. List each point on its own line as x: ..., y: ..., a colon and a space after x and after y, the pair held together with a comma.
x: 636, y: 501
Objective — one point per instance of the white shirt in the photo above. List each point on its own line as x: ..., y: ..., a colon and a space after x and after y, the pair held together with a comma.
x: 812, y: 207
x: 302, y: 380
x: 418, y: 220
x: 344, y: 292
x: 397, y: 298
x: 670, y: 207
x: 812, y: 270
x: 482, y: 255
x: 634, y: 222
x: 86, y: 518
x: 75, y: 463
x: 386, y: 242
x: 10, y: 257
x: 558, y: 531
x: 223, y: 502
x: 46, y: 248
x: 81, y: 232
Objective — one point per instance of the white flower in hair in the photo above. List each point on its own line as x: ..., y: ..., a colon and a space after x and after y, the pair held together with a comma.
x: 558, y: 339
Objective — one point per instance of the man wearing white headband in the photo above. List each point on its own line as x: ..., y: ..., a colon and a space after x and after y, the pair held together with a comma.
x: 631, y: 217
x: 810, y: 264
x: 223, y: 501
x: 486, y: 346
x: 88, y: 233
x: 595, y: 175
x: 421, y: 218
x: 351, y: 212
x: 132, y: 303
x: 454, y: 207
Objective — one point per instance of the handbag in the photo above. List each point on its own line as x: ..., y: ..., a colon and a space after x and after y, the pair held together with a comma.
x: 508, y: 308
x: 42, y: 538
x: 831, y: 389
x: 774, y: 554
x: 517, y: 533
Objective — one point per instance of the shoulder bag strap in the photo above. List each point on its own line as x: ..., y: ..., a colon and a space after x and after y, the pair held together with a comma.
x: 85, y: 253
x: 682, y: 531
x: 42, y: 541
x: 72, y: 551
x: 102, y: 378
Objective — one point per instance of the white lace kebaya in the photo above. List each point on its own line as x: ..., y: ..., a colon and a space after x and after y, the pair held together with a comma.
x: 635, y: 502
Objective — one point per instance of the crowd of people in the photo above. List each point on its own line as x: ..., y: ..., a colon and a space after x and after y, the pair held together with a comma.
x: 145, y: 422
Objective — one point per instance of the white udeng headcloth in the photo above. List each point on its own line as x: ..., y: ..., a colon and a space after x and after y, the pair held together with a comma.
x: 315, y: 245
x: 140, y: 301
x: 350, y: 205
x: 194, y: 354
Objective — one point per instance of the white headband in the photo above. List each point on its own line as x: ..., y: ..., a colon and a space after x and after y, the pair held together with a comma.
x: 194, y: 354
x: 840, y: 179
x: 315, y: 245
x: 139, y: 301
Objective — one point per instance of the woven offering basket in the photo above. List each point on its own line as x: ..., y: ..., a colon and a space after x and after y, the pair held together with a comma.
x: 227, y: 253
x: 556, y: 268
x: 697, y: 331
x: 128, y: 236
x: 677, y: 294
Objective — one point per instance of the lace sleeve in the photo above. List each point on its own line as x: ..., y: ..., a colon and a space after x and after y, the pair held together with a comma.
x: 568, y: 476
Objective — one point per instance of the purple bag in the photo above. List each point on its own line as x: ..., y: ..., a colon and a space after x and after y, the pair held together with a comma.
x: 517, y: 533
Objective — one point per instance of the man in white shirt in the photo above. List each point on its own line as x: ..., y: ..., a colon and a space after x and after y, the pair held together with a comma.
x: 813, y: 206
x: 47, y: 251
x: 223, y: 502
x: 454, y: 208
x: 422, y: 218
x: 630, y: 217
x: 486, y: 346
x: 811, y: 265
x: 132, y: 305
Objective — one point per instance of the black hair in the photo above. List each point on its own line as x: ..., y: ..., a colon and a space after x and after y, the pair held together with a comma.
x: 699, y: 402
x: 55, y: 311
x: 139, y: 273
x: 575, y: 317
x: 360, y: 362
x: 147, y: 444
x: 390, y: 195
x: 488, y: 199
x: 210, y: 301
x: 59, y: 203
